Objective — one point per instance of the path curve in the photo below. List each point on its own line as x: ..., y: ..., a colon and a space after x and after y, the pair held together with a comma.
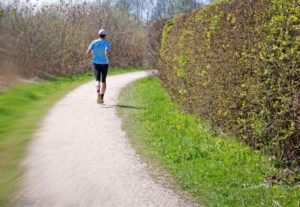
x: 81, y: 157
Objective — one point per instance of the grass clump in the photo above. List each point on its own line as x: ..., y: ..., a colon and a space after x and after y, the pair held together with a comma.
x: 216, y: 170
x: 21, y: 110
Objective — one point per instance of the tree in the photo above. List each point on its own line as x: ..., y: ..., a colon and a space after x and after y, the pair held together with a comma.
x: 168, y: 8
x: 185, y: 6
x: 160, y: 10
x: 123, y: 4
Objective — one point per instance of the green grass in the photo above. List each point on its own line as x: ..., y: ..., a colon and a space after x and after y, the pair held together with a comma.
x: 216, y: 170
x: 21, y: 110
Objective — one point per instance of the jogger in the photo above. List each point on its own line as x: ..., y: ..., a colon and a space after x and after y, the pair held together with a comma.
x: 101, y: 50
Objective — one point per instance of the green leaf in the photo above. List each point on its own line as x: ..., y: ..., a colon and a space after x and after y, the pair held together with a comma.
x: 2, y: 14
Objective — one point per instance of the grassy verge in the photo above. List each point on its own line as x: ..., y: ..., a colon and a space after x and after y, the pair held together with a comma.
x: 21, y: 109
x: 217, y: 171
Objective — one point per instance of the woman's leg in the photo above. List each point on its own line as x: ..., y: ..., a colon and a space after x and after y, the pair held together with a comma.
x: 103, y: 88
x: 104, y: 70
x: 98, y: 77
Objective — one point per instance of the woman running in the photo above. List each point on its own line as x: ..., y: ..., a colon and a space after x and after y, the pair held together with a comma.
x: 101, y: 51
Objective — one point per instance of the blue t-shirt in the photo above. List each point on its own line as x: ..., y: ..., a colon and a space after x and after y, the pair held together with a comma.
x: 99, y: 48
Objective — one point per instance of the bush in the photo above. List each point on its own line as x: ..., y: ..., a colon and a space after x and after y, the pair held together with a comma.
x: 236, y: 64
x: 153, y: 44
x: 51, y: 40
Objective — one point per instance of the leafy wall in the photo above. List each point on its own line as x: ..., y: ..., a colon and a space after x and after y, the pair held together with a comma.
x: 154, y: 33
x: 237, y: 64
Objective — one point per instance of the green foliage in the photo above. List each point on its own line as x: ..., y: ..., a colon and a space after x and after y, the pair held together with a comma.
x: 213, y: 24
x: 2, y: 14
x: 239, y: 68
x: 216, y: 170
x: 167, y: 29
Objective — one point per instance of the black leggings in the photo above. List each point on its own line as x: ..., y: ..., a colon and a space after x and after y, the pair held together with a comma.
x: 101, y: 72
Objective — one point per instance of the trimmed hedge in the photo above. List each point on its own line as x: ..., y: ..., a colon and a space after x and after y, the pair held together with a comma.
x: 154, y: 34
x: 237, y: 64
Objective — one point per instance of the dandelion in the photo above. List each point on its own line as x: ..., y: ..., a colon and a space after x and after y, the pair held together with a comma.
x: 282, y: 196
x: 219, y: 141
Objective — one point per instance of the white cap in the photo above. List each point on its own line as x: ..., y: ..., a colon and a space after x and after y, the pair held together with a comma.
x: 102, y: 32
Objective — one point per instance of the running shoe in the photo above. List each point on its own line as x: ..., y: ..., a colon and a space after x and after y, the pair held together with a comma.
x: 100, y: 100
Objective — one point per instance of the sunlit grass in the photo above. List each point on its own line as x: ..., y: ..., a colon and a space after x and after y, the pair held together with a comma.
x: 216, y: 170
x: 21, y: 109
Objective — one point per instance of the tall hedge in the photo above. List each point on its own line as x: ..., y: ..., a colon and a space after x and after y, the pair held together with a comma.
x: 154, y: 33
x: 237, y: 64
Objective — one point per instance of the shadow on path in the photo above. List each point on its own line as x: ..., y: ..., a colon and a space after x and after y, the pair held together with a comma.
x: 122, y: 106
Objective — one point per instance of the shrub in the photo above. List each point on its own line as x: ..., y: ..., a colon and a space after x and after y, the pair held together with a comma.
x: 154, y: 35
x: 51, y: 40
x: 236, y: 64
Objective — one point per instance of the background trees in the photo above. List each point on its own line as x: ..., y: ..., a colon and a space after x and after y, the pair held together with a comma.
x: 49, y: 39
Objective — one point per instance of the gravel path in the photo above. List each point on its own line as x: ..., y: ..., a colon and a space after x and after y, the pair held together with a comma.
x: 81, y: 157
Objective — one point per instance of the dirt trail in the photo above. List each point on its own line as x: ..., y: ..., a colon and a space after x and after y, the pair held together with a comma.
x: 82, y: 158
